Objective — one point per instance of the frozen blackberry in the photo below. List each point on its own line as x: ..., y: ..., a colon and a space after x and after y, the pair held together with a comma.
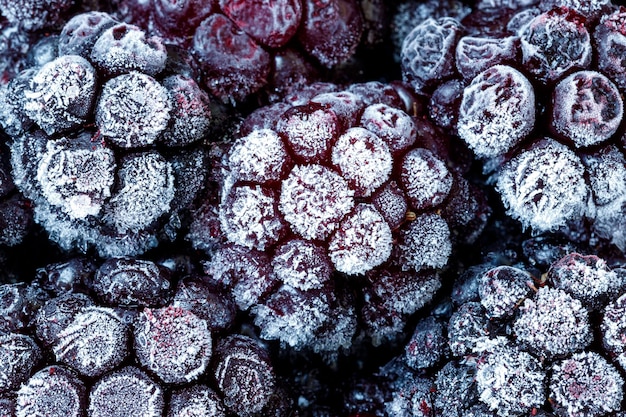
x: 130, y: 281
x: 544, y: 187
x: 552, y: 324
x: 60, y: 95
x: 18, y: 304
x: 503, y: 289
x: 56, y: 314
x: 19, y: 355
x: 497, y: 111
x: 53, y: 391
x: 425, y: 243
x: 510, y: 381
x: 585, y: 385
x: 124, y: 48
x: 34, y: 14
x: 587, y: 108
x: 13, y: 117
x: 260, y: 156
x: 197, y: 400
x: 613, y: 330
x: 128, y: 391
x: 475, y: 54
x: 133, y: 110
x: 173, y: 343
x: 427, y: 345
x: 66, y: 276
x: 95, y: 341
x: 391, y: 202
x: 428, y: 52
x: 586, y: 278
x: 467, y: 327
x: 391, y: 124
x: 412, y: 396
x: 243, y: 374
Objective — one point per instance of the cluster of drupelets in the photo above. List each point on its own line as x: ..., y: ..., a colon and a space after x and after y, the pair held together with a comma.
x: 244, y: 227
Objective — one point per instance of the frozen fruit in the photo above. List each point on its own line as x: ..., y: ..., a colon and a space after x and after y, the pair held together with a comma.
x: 468, y: 326
x: 81, y: 32
x: 425, y: 178
x: 35, y: 14
x: 455, y: 389
x: 260, y: 156
x: 425, y: 243
x: 19, y: 355
x: 302, y: 264
x: 610, y: 40
x: 502, y: 289
x: 209, y: 302
x: 475, y: 54
x: 613, y: 329
x: 196, y: 400
x: 427, y: 345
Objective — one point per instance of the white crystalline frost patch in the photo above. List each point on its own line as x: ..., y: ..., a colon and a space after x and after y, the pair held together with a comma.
x: 61, y: 93
x: 393, y: 125
x: 425, y: 243
x: 544, y: 187
x: 50, y: 394
x: 425, y: 178
x: 301, y: 264
x: 133, y: 110
x: 77, y: 180
x: 362, y: 242
x: 497, y: 111
x: 314, y: 199
x: 607, y: 175
x: 363, y: 159
x: 259, y: 156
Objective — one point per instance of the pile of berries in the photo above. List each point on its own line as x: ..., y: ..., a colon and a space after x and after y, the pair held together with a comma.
x: 231, y: 208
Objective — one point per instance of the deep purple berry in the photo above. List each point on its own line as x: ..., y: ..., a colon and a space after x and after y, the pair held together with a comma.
x: 391, y: 203
x: 391, y: 124
x: 476, y: 54
x: 19, y: 355
x: 302, y: 264
x: 206, y: 301
x: 468, y: 326
x: 53, y: 391
x: 175, y: 18
x: 81, y: 32
x: 610, y: 43
x: 425, y: 178
x: 455, y: 389
x: 260, y: 156
x: 56, y: 314
x: 428, y: 344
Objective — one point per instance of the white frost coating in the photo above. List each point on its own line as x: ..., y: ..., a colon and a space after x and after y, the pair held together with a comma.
x: 363, y: 159
x: 587, y: 108
x: 77, y: 180
x: 391, y: 203
x: 314, y: 199
x: 345, y: 104
x: 146, y: 190
x: 425, y: 243
x: 391, y: 124
x: 544, y: 187
x: 585, y: 385
x: 133, y: 110
x: 607, y: 175
x: 51, y: 392
x: 497, y: 111
x: 301, y: 264
x: 195, y: 401
x: 249, y: 217
x: 174, y: 343
x: 309, y: 134
x: 94, y: 342
x: 19, y: 354
x: 502, y: 289
x: 552, y: 323
x: 425, y: 178
x: 475, y: 54
x: 292, y: 316
x: 614, y: 330
x: 126, y: 392
x: 61, y: 93
x: 362, y: 242
x: 509, y: 381
x: 260, y: 157
x: 407, y: 292
x: 125, y: 48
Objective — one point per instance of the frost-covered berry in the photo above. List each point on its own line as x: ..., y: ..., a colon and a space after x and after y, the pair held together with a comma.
x: 196, y: 400
x: 552, y: 324
x: 586, y: 278
x: 425, y: 178
x: 130, y: 281
x: 427, y: 345
x: 606, y: 169
x: 77, y: 175
x: 497, y: 111
x: 34, y: 14
x: 425, y: 243
x: 363, y: 159
x: 13, y: 117
x: 428, y: 52
x: 81, y: 32
x: 613, y: 330
x: 19, y: 355
x: 244, y: 374
x: 66, y: 277
x: 455, y: 389
x: 391, y: 124
x: 544, y: 187
x: 475, y: 54
x: 362, y: 242
x: 124, y: 48
x: 173, y: 343
x: 56, y: 314
x: 94, y: 342
x: 53, y: 391
x: 260, y: 156
x: 467, y: 327
x: 554, y: 42
x: 145, y: 190
x: 250, y: 217
x: 391, y: 202
x: 128, y: 391
x: 302, y: 264
x: 18, y: 305
x: 610, y: 41
x: 411, y: 396
x: 346, y: 105
x: 133, y: 110
x: 587, y: 108
x: 510, y: 381
x: 504, y: 288
x: 61, y: 94
x: 314, y: 199
x: 585, y: 385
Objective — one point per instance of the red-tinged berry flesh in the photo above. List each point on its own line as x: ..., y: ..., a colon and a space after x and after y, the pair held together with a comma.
x: 587, y: 108
x: 497, y: 111
x: 544, y: 187
x: 270, y: 23
x: 53, y: 391
x: 128, y: 391
x: 555, y: 42
x: 173, y: 343
x: 94, y: 342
